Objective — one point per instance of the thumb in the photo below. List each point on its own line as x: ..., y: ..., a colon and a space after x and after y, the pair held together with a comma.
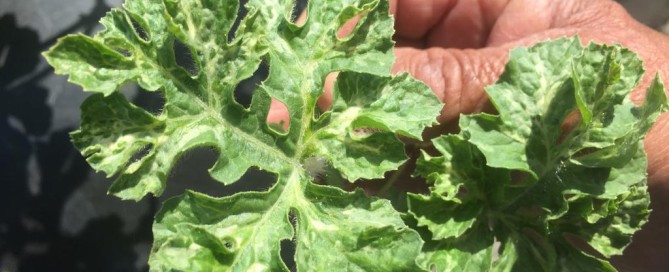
x: 457, y: 77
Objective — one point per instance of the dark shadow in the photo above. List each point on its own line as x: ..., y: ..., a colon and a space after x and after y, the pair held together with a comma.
x: 191, y: 172
x: 40, y: 170
x: 288, y: 246
x: 184, y: 57
x: 244, y: 90
x: 23, y: 114
x: 34, y: 233
x: 153, y: 102
x: 300, y: 6
x: 241, y: 13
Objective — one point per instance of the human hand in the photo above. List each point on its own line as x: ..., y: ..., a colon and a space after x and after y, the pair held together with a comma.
x: 459, y: 47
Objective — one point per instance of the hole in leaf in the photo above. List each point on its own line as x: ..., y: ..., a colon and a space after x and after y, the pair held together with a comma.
x: 279, y: 117
x: 253, y: 180
x: 245, y: 88
x: 139, y: 30
x: 300, y: 12
x: 123, y: 52
x: 325, y: 101
x: 317, y: 168
x: 288, y: 246
x: 323, y: 173
x: 141, y: 153
x: 568, y: 125
x: 229, y: 244
x: 184, y: 57
x: 193, y: 166
x: 364, y: 132
x: 241, y: 13
x: 347, y: 28
x: 151, y: 101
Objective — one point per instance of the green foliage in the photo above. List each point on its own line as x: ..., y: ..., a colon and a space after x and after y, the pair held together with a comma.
x: 518, y: 178
x: 195, y: 232
x: 536, y: 180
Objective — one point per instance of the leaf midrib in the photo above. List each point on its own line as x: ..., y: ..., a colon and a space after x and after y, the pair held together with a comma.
x: 212, y: 112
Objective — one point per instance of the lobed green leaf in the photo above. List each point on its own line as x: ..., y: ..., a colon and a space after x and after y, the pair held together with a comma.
x: 561, y: 166
x: 243, y: 232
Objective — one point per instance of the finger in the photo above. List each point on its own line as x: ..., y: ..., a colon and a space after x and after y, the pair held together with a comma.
x: 469, y: 23
x: 415, y: 18
x: 457, y: 77
x: 302, y: 18
x: 657, y: 150
x: 348, y: 27
x: 278, y: 115
x: 278, y: 112
x: 325, y: 101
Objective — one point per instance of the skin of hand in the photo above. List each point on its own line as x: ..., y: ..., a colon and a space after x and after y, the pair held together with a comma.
x: 459, y: 47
